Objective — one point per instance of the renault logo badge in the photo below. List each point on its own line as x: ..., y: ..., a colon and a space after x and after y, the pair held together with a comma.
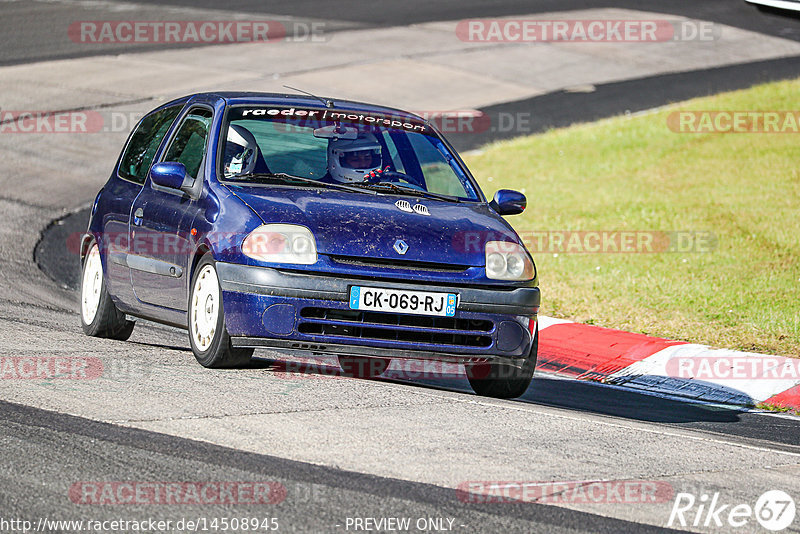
x: 401, y: 246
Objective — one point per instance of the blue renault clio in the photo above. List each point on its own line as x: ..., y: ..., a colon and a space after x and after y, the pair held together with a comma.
x: 313, y: 225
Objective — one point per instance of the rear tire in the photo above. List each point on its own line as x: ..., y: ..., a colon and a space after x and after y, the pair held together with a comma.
x: 363, y: 367
x: 99, y: 315
x: 503, y: 381
x: 210, y: 341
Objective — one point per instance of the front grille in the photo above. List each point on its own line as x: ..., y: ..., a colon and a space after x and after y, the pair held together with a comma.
x: 447, y: 331
x: 400, y: 264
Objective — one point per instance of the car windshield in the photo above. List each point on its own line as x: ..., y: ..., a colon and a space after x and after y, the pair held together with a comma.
x: 331, y: 147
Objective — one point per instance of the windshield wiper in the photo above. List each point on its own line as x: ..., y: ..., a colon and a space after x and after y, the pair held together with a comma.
x: 399, y: 188
x: 285, y: 177
x: 355, y: 187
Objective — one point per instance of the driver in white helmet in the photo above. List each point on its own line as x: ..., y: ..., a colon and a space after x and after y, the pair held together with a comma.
x: 354, y: 160
x: 241, y: 151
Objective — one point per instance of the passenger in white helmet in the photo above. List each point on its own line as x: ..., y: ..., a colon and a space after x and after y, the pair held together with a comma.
x: 241, y: 151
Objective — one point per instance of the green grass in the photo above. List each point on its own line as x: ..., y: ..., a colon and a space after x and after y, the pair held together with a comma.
x: 635, y: 174
x: 777, y: 408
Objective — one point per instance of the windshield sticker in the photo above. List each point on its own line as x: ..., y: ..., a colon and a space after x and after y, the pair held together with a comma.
x: 374, y: 119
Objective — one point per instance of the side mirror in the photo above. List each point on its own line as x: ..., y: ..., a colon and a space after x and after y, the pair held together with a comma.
x: 508, y: 202
x: 172, y: 175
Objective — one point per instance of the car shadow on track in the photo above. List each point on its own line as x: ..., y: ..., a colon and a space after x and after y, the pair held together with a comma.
x: 547, y: 391
x: 619, y: 402
x: 183, y: 348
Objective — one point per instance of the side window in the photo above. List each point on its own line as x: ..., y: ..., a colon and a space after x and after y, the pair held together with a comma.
x: 142, y: 147
x: 189, y: 144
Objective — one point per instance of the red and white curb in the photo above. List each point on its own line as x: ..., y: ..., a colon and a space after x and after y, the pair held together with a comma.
x: 667, y: 367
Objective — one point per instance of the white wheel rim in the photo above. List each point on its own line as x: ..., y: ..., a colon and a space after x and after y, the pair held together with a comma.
x: 205, y: 308
x: 91, y: 285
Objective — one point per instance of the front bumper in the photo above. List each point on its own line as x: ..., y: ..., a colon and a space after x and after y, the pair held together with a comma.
x: 266, y: 307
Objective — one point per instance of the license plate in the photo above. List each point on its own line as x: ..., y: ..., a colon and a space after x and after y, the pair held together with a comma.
x: 402, y: 301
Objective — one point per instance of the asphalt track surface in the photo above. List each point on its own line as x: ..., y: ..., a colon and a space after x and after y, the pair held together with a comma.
x: 51, y: 449
x: 316, y: 497
x: 29, y: 36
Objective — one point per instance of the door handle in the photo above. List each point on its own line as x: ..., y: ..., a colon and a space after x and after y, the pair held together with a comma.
x: 137, y: 216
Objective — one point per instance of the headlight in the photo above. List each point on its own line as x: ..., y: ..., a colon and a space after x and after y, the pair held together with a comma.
x: 281, y: 243
x: 508, y: 261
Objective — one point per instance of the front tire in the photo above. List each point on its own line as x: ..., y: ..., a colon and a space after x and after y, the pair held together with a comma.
x: 503, y: 381
x: 99, y: 316
x: 210, y: 341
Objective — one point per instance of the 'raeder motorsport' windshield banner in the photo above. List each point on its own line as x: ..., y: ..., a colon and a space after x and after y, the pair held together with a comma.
x: 311, y: 116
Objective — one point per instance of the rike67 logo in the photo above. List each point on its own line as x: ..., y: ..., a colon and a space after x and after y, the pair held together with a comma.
x: 774, y: 510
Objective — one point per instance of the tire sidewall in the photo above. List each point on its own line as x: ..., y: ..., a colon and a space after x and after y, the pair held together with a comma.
x: 92, y: 329
x: 501, y: 380
x: 209, y: 356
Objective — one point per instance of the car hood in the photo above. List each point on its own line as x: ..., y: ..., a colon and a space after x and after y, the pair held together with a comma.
x: 368, y: 226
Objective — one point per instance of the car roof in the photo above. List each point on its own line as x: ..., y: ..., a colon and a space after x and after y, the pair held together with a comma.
x: 233, y: 98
